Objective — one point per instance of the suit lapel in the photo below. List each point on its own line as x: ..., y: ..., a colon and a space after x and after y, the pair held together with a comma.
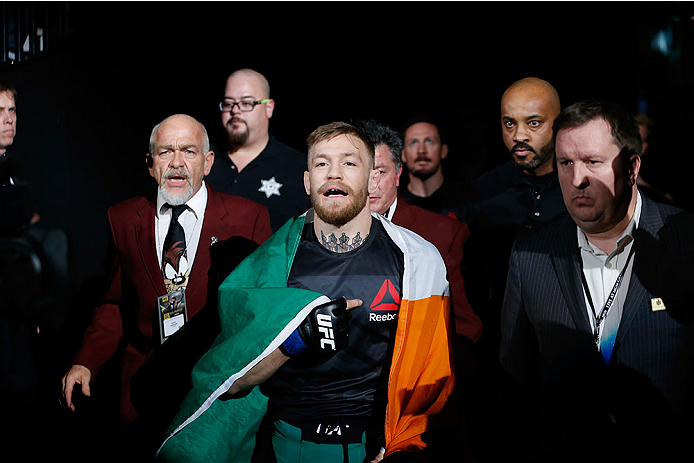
x: 146, y: 244
x: 403, y: 213
x: 212, y: 225
x: 567, y: 265
x: 649, y: 248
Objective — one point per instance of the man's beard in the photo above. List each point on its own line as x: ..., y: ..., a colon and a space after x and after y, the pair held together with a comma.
x: 545, y: 153
x: 358, y: 201
x: 176, y: 199
x: 236, y: 139
x: 425, y: 173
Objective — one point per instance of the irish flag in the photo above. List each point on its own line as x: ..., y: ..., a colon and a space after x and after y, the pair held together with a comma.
x: 258, y: 312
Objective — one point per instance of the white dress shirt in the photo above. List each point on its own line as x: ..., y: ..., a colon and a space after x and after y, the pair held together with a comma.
x: 601, y: 272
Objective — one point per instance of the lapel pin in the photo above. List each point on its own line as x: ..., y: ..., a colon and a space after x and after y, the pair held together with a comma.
x: 213, y: 240
x: 657, y: 304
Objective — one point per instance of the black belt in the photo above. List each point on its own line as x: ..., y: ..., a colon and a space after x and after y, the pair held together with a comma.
x: 332, y: 430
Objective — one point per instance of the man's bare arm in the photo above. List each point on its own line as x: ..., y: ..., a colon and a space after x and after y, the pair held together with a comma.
x: 258, y: 374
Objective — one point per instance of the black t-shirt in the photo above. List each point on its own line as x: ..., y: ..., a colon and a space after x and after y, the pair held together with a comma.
x: 354, y: 381
x: 446, y: 200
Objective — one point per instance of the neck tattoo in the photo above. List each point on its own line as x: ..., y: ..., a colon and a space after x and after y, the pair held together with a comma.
x: 342, y: 244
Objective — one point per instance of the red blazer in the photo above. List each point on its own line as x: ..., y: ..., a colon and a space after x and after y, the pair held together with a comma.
x: 128, y: 308
x: 448, y: 235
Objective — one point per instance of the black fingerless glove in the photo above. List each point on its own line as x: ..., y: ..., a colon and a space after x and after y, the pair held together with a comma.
x: 326, y: 328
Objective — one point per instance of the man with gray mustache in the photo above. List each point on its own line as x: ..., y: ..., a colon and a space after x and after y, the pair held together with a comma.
x: 146, y: 273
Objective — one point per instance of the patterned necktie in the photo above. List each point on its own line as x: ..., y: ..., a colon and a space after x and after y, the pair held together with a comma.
x: 174, y: 246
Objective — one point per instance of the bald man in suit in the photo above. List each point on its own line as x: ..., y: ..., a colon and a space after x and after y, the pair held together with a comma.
x: 179, y: 158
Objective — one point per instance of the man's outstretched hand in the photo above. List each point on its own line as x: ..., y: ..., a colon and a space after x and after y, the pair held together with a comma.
x: 78, y: 374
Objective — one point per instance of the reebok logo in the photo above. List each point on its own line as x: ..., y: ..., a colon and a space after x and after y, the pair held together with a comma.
x: 382, y: 317
x: 387, y: 299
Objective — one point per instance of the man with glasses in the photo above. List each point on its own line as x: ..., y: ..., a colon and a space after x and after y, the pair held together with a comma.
x: 257, y: 166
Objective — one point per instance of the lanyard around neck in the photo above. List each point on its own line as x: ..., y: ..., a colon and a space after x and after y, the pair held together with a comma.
x: 599, y: 319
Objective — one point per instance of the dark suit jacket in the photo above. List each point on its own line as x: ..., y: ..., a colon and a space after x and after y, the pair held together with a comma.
x: 571, y: 405
x: 448, y: 235
x: 128, y: 311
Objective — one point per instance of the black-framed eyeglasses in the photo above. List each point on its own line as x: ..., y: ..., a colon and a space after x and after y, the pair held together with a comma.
x: 245, y: 106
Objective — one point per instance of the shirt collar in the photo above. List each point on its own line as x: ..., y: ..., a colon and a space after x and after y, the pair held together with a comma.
x: 196, y: 203
x: 520, y: 178
x: 623, y: 241
x: 391, y: 210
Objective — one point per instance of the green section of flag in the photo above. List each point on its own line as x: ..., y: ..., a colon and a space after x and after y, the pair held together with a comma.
x: 255, y: 305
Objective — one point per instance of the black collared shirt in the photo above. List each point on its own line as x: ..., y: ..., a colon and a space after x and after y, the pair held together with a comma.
x: 508, y: 198
x: 507, y: 203
x: 275, y: 179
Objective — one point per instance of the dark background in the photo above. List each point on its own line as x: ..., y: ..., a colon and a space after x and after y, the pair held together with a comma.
x: 111, y: 71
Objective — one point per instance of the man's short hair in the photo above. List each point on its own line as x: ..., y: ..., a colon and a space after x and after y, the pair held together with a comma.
x: 381, y: 134
x: 335, y: 129
x: 5, y: 87
x: 429, y: 119
x: 623, y: 127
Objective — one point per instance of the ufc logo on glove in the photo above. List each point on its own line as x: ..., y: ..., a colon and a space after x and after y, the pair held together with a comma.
x: 325, y: 326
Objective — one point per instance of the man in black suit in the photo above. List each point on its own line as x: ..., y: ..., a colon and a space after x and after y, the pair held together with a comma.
x: 597, y: 332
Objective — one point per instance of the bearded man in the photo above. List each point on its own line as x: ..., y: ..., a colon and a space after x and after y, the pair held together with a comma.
x: 341, y: 317
x: 423, y: 154
x: 509, y: 201
x: 162, y: 254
